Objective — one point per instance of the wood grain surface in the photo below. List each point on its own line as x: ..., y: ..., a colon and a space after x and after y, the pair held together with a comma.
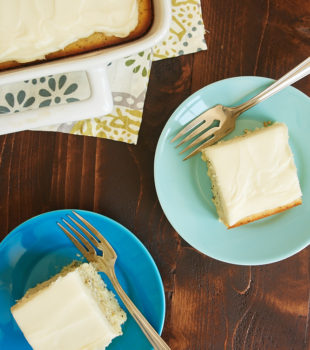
x: 210, y: 304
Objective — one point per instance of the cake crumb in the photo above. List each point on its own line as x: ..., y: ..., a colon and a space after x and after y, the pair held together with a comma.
x: 267, y: 123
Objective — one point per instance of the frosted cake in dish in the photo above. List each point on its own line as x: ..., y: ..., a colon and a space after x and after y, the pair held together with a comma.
x: 253, y: 175
x: 32, y: 30
x: 72, y: 311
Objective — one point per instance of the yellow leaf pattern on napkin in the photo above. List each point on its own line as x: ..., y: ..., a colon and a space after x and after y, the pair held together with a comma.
x: 122, y: 125
x: 186, y: 33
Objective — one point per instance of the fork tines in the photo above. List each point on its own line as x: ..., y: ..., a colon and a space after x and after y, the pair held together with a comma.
x: 83, y: 243
x: 200, y: 129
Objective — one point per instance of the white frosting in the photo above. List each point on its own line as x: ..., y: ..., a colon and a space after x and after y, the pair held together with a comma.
x: 254, y: 173
x: 64, y: 316
x: 30, y: 29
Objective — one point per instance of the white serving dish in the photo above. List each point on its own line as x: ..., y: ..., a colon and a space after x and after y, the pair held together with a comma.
x: 94, y: 63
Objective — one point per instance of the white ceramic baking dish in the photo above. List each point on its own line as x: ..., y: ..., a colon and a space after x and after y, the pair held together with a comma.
x: 94, y: 63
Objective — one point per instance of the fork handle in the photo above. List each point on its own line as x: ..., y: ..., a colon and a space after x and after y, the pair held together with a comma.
x: 153, y: 337
x: 289, y: 78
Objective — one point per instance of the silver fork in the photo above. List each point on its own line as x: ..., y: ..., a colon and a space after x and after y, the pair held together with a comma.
x: 105, y: 263
x: 204, y: 135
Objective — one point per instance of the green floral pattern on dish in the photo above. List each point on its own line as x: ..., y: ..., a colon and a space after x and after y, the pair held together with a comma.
x: 58, y: 91
x: 16, y: 103
x: 43, y: 92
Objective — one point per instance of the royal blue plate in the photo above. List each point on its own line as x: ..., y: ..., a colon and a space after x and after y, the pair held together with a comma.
x: 38, y: 249
x: 184, y: 189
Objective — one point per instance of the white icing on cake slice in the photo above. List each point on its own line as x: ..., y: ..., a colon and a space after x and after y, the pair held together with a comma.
x: 74, y: 311
x: 252, y: 173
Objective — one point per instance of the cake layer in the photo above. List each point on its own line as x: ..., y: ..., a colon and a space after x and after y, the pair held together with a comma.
x: 266, y: 213
x: 72, y: 311
x: 253, y: 175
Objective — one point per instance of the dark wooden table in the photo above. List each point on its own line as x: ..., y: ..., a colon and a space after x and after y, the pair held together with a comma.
x: 210, y: 304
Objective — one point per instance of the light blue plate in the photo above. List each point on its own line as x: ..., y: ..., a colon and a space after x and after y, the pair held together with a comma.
x: 38, y: 249
x: 184, y: 189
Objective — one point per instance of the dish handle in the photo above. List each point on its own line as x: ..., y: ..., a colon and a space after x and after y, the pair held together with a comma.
x: 98, y: 104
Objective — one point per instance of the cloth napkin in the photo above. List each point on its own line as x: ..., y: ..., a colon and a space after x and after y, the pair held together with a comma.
x: 128, y: 79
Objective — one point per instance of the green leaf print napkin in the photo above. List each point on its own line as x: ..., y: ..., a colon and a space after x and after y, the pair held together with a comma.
x: 128, y: 79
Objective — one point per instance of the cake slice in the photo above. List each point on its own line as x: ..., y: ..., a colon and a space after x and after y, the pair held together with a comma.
x: 73, y: 310
x: 253, y: 175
